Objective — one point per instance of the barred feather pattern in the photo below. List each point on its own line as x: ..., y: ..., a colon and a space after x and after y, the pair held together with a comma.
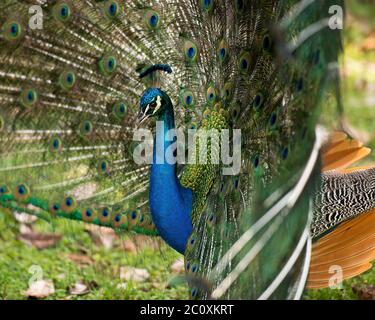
x: 342, y: 197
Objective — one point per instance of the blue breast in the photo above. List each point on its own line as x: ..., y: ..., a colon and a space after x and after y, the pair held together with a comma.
x: 170, y: 203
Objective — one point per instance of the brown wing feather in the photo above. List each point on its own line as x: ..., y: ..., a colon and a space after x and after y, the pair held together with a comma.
x: 351, y: 246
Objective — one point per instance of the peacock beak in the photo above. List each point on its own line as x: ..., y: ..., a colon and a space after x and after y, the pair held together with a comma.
x: 142, y: 117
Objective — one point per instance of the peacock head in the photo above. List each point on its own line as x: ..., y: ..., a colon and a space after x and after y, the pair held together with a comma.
x: 154, y: 102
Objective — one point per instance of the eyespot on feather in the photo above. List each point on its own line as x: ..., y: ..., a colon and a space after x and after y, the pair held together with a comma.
x: 119, y: 110
x: 89, y: 215
x: 227, y: 91
x: 111, y: 9
x: 108, y: 65
x: 67, y: 80
x: 152, y: 19
x: 134, y: 217
x: 86, y: 128
x: 21, y: 192
x: 191, y: 51
x: 207, y: 5
x: 258, y: 101
x: 104, y: 167
x: 28, y: 97
x: 244, y: 63
x: 62, y: 11
x: 211, y: 95
x: 4, y: 190
x: 55, y: 144
x: 69, y: 204
x: 119, y: 220
x: 223, y: 51
x: 187, y: 98
x: 54, y: 208
x: 105, y: 215
x: 12, y: 30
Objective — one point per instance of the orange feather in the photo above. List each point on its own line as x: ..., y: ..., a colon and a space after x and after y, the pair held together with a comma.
x: 351, y: 246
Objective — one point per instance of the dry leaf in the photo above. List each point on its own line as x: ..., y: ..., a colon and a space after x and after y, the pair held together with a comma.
x: 81, y: 288
x: 365, y: 292
x: 25, y: 228
x: 40, y: 289
x: 24, y: 218
x: 178, y: 266
x: 134, y: 274
x: 129, y: 246
x: 81, y: 259
x: 101, y: 236
x: 39, y: 240
x: 142, y: 241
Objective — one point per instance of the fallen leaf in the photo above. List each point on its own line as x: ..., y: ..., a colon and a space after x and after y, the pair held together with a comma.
x: 142, y: 241
x: 102, y: 236
x: 39, y: 240
x: 25, y: 228
x: 178, y: 266
x: 81, y: 259
x: 365, y: 292
x: 79, y: 289
x: 24, y: 218
x: 134, y: 274
x: 40, y: 289
x: 129, y: 246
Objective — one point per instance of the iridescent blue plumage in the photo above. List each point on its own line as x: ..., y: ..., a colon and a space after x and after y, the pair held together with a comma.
x: 170, y: 203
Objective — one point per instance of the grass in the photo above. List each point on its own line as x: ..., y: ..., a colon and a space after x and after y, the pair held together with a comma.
x: 16, y: 258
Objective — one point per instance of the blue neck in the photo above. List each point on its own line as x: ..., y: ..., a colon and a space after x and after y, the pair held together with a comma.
x: 170, y: 203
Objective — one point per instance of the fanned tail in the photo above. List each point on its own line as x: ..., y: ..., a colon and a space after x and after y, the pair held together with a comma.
x: 251, y: 236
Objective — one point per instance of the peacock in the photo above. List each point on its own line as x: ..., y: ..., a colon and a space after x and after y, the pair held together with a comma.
x: 80, y: 80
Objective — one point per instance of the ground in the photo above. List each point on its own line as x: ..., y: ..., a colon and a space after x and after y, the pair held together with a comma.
x: 76, y: 259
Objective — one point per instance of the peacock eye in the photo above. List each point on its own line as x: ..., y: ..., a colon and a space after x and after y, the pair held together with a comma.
x: 62, y: 12
x: 152, y: 19
x: 108, y: 64
x: 207, y: 5
x: 112, y: 9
